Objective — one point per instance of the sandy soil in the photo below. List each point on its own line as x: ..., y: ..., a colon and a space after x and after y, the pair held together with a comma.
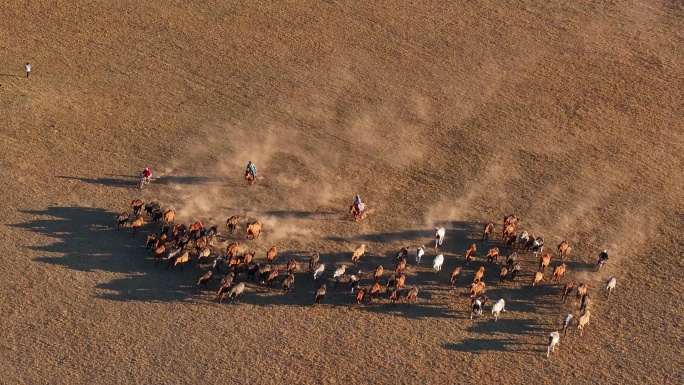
x: 568, y: 114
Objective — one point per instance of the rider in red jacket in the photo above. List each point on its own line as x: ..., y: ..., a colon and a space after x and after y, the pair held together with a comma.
x: 147, y: 174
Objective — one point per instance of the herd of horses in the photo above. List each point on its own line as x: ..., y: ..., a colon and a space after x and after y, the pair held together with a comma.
x: 177, y: 243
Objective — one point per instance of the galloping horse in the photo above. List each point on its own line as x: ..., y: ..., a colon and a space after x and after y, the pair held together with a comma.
x: 249, y: 177
x: 358, y: 214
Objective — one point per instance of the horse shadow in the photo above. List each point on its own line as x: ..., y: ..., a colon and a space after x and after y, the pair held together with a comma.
x: 487, y: 324
x: 574, y: 266
x: 459, y: 236
x: 415, y: 310
x: 129, y: 181
x: 110, y: 182
x: 484, y: 345
x: 186, y: 179
x: 338, y: 293
x: 339, y: 297
x: 290, y: 214
x: 87, y: 239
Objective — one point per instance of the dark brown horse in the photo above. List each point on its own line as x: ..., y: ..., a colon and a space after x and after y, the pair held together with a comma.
x: 232, y: 223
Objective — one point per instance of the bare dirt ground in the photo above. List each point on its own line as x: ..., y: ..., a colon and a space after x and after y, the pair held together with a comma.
x: 568, y: 114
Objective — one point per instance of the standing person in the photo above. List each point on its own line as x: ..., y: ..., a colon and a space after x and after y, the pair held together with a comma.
x: 28, y: 69
x: 251, y: 168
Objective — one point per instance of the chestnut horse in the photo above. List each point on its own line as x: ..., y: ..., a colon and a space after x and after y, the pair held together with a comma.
x: 249, y: 177
x: 357, y: 214
x: 487, y: 231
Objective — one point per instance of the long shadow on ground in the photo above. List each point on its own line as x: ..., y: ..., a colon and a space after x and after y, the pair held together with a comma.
x: 106, y: 181
x: 86, y: 239
x: 483, y: 345
x: 189, y: 180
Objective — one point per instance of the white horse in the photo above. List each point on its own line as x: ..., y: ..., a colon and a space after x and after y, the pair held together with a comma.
x: 419, y: 253
x: 610, y: 285
x: 318, y: 273
x: 554, y: 339
x: 439, y: 235
x: 339, y: 273
x: 567, y: 323
x: 523, y: 238
x: 498, y: 308
x: 437, y: 263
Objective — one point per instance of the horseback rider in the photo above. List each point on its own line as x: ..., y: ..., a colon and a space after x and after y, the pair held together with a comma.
x: 146, y: 174
x: 603, y: 257
x: 359, y: 205
x: 251, y: 168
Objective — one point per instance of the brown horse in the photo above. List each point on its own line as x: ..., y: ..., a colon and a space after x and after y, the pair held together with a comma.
x: 507, y: 231
x: 271, y: 254
x: 137, y: 206
x: 232, y: 223
x: 493, y: 254
x: 253, y: 229
x: 454, y: 276
x: 358, y: 253
x: 159, y: 255
x: 510, y: 219
x: 201, y: 243
x: 378, y: 273
x: 249, y: 177
x: 169, y: 216
x: 487, y: 231
x: 544, y: 261
x: 469, y: 253
x: 249, y: 256
x: 136, y: 224
x: 195, y: 228
x: 563, y: 248
x: 510, y: 240
x: 559, y: 272
x: 479, y: 275
x: 232, y: 249
x: 180, y: 260
x: 357, y: 214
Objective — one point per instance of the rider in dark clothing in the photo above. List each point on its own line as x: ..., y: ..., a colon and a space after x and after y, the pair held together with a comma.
x: 603, y: 256
x: 251, y: 168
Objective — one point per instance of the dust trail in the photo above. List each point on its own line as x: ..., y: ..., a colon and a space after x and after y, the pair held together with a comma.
x: 462, y: 208
x: 315, y: 181
x: 633, y: 242
x: 394, y: 125
x: 276, y: 229
x: 257, y: 145
x: 377, y: 134
x: 381, y: 130
x: 206, y: 203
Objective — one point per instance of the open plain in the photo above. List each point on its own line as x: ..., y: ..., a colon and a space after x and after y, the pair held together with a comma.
x: 453, y: 114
